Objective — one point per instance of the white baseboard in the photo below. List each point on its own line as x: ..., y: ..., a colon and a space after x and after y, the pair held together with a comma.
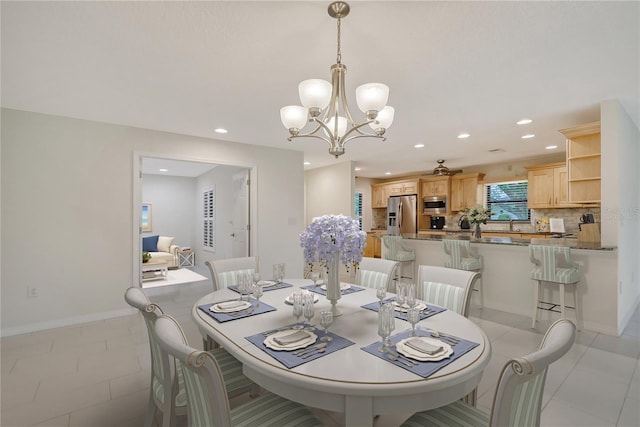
x: 67, y: 321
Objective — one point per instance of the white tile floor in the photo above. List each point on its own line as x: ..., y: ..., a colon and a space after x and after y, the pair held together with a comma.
x: 97, y: 374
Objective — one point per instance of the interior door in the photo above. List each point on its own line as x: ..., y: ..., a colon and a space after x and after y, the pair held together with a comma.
x: 240, y: 225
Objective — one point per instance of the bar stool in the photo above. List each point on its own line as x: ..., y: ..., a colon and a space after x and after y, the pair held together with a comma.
x: 462, y: 257
x: 545, y: 269
x: 395, y: 250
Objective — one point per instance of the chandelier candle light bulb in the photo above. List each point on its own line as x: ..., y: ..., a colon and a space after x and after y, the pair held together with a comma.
x: 325, y: 103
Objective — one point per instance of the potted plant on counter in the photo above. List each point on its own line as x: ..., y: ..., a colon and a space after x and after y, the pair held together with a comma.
x: 478, y: 215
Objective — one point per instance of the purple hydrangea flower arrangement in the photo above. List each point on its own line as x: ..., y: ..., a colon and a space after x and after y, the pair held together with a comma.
x: 328, y: 234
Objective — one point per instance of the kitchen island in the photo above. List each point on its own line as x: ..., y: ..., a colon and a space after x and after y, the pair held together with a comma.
x: 506, y: 283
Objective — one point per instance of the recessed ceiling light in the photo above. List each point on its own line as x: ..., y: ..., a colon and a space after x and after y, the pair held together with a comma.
x: 550, y: 147
x: 463, y: 136
x: 527, y: 136
x: 307, y: 163
x: 387, y: 173
x: 418, y: 146
x: 220, y: 130
x: 524, y: 122
x: 164, y: 170
x: 357, y: 169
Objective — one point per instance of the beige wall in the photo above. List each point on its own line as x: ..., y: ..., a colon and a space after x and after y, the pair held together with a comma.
x: 68, y: 209
x: 329, y: 190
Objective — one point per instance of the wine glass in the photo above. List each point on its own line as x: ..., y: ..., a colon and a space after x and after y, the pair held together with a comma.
x: 411, y: 295
x: 381, y: 293
x: 326, y: 319
x: 257, y: 293
x: 296, y: 299
x: 315, y: 276
x: 401, y: 299
x: 386, y: 324
x: 242, y: 285
x: 413, y: 316
x: 308, y: 309
x: 256, y: 278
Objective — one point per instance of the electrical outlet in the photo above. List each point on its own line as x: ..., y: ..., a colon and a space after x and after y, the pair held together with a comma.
x: 32, y: 292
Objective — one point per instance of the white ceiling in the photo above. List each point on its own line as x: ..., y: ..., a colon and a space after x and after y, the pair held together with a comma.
x: 189, y: 67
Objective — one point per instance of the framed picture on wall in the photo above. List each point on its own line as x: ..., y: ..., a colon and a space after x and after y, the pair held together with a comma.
x: 145, y: 217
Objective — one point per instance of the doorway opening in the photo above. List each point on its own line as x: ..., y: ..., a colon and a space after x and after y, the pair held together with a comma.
x: 206, y: 207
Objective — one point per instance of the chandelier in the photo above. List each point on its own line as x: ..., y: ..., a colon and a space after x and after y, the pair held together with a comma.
x: 325, y: 104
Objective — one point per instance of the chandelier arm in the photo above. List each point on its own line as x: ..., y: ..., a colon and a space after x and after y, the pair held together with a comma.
x: 356, y: 128
x: 344, y: 141
x: 307, y: 135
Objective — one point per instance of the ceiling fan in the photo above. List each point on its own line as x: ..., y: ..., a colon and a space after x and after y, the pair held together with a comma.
x: 442, y: 170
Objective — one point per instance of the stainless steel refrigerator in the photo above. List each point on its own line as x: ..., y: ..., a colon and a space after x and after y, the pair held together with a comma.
x: 402, y: 214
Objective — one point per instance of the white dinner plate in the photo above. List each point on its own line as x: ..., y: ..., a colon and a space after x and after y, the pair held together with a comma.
x: 343, y: 286
x: 289, y: 299
x: 305, y: 342
x: 230, y: 306
x: 267, y: 283
x: 407, y: 351
x: 404, y: 309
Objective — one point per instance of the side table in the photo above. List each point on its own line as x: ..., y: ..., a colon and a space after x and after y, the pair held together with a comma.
x: 186, y: 258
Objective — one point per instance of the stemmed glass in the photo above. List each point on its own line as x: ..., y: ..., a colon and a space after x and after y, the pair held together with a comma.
x: 308, y: 309
x: 413, y: 316
x: 326, y: 319
x: 401, y: 299
x: 242, y: 285
x: 278, y: 272
x: 411, y: 295
x: 257, y: 293
x: 381, y: 293
x: 256, y: 278
x: 386, y: 324
x: 315, y: 276
x: 296, y: 298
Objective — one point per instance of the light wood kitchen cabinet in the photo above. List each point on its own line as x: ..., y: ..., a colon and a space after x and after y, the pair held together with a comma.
x: 379, y: 196
x: 464, y: 191
x: 403, y: 188
x: 548, y: 187
x: 584, y: 163
x: 437, y: 186
x: 373, y: 248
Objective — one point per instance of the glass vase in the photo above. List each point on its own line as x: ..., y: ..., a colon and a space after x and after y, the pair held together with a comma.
x: 478, y: 232
x: 333, y: 282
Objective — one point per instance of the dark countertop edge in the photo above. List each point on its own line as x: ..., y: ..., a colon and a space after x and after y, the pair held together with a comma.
x: 572, y: 243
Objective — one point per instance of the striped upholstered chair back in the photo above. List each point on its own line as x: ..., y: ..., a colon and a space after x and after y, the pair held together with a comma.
x: 546, y: 268
x: 518, y: 397
x: 376, y: 273
x: 162, y: 374
x: 394, y: 249
x: 207, y: 401
x: 461, y: 256
x: 224, y: 272
x: 446, y: 287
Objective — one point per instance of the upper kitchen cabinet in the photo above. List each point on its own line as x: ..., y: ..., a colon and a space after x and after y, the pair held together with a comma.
x: 548, y: 187
x: 435, y: 186
x: 401, y: 188
x: 583, y: 163
x: 379, y: 196
x: 464, y: 191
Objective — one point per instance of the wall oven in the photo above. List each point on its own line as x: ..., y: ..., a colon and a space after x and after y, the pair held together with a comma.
x: 436, y: 205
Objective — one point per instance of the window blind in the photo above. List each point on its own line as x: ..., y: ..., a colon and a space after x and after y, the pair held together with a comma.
x: 508, y: 200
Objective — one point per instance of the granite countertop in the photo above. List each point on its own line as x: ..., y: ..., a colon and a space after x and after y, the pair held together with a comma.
x: 514, y: 241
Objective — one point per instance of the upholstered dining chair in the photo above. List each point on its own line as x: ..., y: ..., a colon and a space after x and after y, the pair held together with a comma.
x: 393, y: 248
x: 446, y: 287
x: 167, y: 386
x: 207, y: 403
x: 461, y: 256
x: 224, y: 272
x: 376, y: 273
x: 518, y: 396
x: 546, y: 261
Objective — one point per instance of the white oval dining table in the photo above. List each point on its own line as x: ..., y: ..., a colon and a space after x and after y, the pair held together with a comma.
x: 349, y: 380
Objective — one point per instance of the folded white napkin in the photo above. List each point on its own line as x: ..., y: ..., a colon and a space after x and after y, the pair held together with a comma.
x: 422, y: 346
x: 229, y: 305
x: 292, y: 337
x: 266, y: 283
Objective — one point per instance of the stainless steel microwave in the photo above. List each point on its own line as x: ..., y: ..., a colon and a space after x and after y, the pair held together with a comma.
x: 436, y: 205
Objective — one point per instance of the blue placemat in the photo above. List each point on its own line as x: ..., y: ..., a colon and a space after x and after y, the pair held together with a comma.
x: 224, y: 317
x: 290, y: 360
x: 319, y: 290
x: 280, y: 285
x: 431, y: 310
x: 424, y: 369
